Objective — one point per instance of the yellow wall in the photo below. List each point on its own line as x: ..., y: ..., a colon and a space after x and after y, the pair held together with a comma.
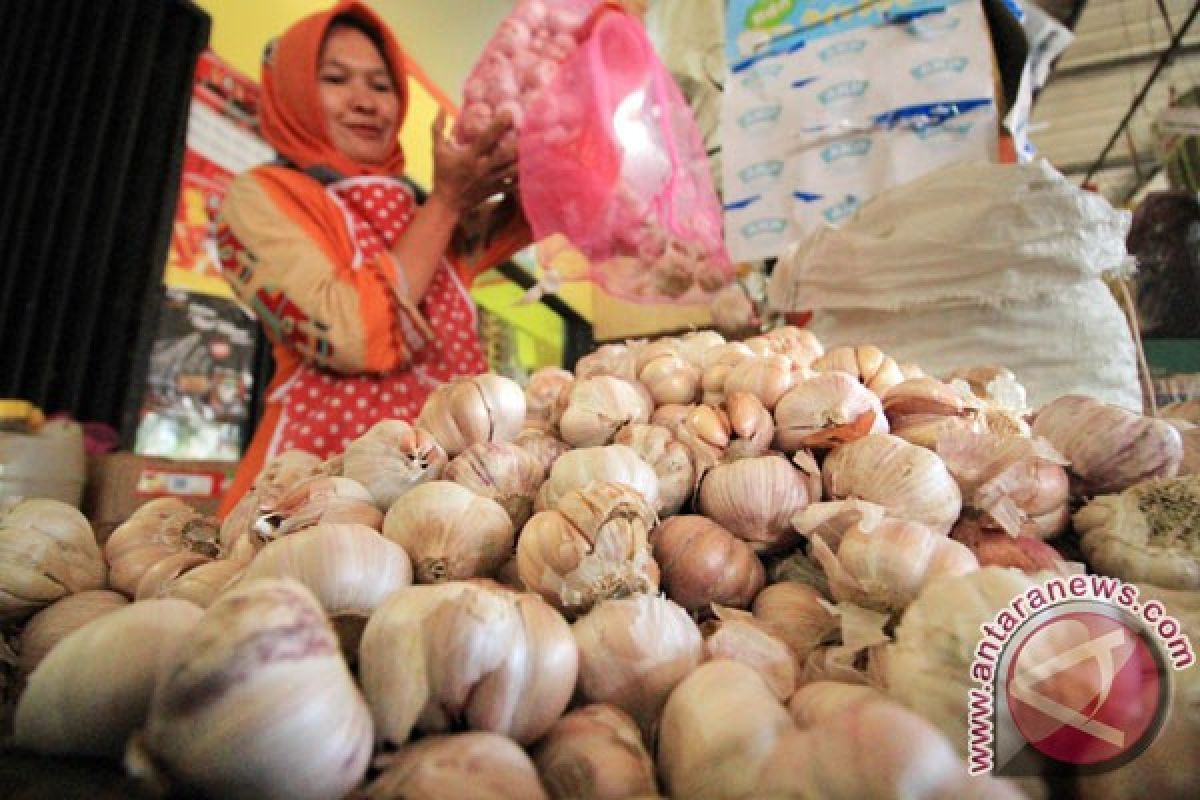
x: 241, y: 29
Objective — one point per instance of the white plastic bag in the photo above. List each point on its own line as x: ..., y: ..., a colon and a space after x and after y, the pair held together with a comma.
x: 977, y: 264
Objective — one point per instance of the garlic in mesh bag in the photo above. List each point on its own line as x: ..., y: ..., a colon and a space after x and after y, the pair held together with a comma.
x: 1149, y: 532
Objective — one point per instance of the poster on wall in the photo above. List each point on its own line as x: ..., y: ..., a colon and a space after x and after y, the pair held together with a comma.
x: 200, y: 370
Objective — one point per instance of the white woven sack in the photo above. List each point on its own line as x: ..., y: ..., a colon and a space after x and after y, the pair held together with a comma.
x: 1072, y: 341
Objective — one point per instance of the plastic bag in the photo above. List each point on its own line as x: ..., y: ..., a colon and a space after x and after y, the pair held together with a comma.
x: 519, y: 61
x: 609, y: 156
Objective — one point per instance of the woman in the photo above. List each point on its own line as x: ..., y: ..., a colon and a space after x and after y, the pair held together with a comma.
x: 361, y: 291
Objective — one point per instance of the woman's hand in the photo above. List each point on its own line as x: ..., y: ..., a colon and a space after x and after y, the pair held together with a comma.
x: 466, y: 175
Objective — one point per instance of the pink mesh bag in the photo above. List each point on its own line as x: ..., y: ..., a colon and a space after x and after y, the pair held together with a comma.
x: 609, y: 156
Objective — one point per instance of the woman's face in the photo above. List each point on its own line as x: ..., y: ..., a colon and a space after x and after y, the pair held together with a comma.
x: 358, y: 96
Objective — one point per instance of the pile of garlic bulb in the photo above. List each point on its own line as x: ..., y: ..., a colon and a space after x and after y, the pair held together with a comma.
x: 691, y: 568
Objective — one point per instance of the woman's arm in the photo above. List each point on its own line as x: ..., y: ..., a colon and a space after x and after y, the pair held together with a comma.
x: 463, y: 177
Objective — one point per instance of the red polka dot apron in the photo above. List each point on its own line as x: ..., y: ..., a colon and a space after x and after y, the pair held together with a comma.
x: 323, y: 411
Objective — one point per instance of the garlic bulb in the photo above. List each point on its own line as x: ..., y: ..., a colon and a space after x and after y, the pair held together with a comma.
x: 929, y: 665
x: 815, y: 702
x: 592, y: 546
x: 909, y: 481
x: 47, y: 551
x: 694, y: 345
x: 500, y: 471
x: 276, y: 477
x: 751, y: 426
x: 706, y: 432
x: 798, y: 614
x: 480, y: 408
x: 719, y: 726
x: 544, y: 395
x: 1149, y: 533
x: 632, y: 653
x: 755, y: 498
x: 449, y: 532
x: 670, y: 458
x: 617, y: 360
x: 766, y: 377
x: 542, y: 446
x: 93, y: 689
x: 474, y: 764
x: 826, y: 410
x: 322, y: 498
x: 595, y: 753
x: 199, y: 584
x: 922, y: 410
x: 350, y: 569
x: 49, y: 626
x: 883, y: 563
x: 733, y: 311
x: 702, y: 563
x: 670, y: 379
x: 856, y: 652
x: 257, y: 702
x: 800, y: 345
x: 464, y: 653
x: 1015, y: 482
x: 598, y: 407
x: 617, y: 463
x: 997, y: 548
x: 737, y: 636
x: 159, y: 530
x: 871, y: 366
x: 1109, y: 448
x: 393, y: 457
x: 894, y: 753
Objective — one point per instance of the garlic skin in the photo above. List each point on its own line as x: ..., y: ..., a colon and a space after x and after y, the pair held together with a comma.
x: 350, y: 569
x: 702, y: 563
x: 49, y: 626
x: 93, y: 689
x: 322, y: 498
x: 695, y: 345
x: 871, y: 366
x: 737, y: 636
x: 909, y: 481
x: 480, y: 408
x: 997, y: 548
x: 595, y: 753
x: 449, y: 532
x: 236, y: 707
x: 766, y: 377
x: 755, y: 498
x: 799, y: 344
x: 922, y: 410
x: 593, y: 546
x: 615, y: 462
x: 500, y: 471
x: 633, y: 651
x: 391, y: 458
x: 542, y: 446
x: 159, y: 530
x: 719, y: 726
x: 433, y: 657
x: 815, y: 702
x: 276, y: 477
x: 543, y: 398
x: 883, y: 564
x: 1149, y: 533
x: 670, y: 458
x: 798, y: 614
x: 1109, y: 448
x: 751, y: 426
x: 826, y: 410
x: 670, y: 379
x: 198, y: 583
x: 600, y: 406
x: 47, y: 551
x: 474, y: 764
x: 616, y: 360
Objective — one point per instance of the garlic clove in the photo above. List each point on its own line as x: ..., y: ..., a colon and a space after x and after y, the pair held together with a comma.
x: 202, y: 584
x: 767, y: 377
x: 737, y: 636
x: 542, y: 398
x: 755, y: 499
x: 158, y: 530
x: 595, y: 753
x: 600, y: 406
x: 616, y: 360
x: 476, y: 764
x: 694, y: 346
x: 670, y: 458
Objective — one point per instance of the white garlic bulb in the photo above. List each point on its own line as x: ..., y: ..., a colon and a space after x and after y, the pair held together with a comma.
x: 544, y: 395
x: 670, y: 458
x: 738, y: 636
x: 93, y: 689
x: 766, y: 377
x: 694, y: 346
x: 595, y: 753
x: 577, y: 468
x: 798, y: 614
x: 322, y: 498
x: 47, y: 551
x: 702, y: 563
x: 391, y: 458
x: 480, y: 408
x: 162, y: 529
x: 755, y: 499
x: 598, y: 407
x: 542, y: 446
x: 257, y: 702
x: 476, y: 764
x: 198, y: 581
x: 501, y: 471
x: 449, y: 532
x: 617, y: 360
x: 50, y: 625
x: 670, y: 379
x: 826, y: 410
x: 874, y: 369
x: 909, y: 481
x: 276, y: 477
x: 465, y: 653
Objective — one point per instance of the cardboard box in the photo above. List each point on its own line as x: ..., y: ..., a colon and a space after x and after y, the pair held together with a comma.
x: 120, y: 483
